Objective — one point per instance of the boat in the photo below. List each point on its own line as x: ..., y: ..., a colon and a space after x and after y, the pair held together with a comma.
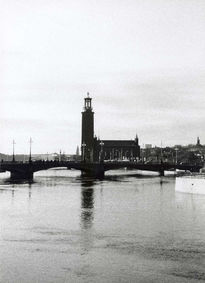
x: 192, y: 183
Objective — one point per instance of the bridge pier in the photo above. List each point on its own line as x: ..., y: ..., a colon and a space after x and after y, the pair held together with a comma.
x: 21, y: 175
x: 93, y: 170
x: 95, y: 174
x: 161, y: 172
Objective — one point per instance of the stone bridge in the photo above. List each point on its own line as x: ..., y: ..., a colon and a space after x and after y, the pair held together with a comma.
x: 20, y: 170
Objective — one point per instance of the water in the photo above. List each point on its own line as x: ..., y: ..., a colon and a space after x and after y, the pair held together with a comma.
x: 63, y: 228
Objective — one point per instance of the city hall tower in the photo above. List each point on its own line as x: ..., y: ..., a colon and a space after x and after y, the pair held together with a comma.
x: 87, y: 141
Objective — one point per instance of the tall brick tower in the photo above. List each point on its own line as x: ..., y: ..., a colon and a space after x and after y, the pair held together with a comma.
x: 87, y: 142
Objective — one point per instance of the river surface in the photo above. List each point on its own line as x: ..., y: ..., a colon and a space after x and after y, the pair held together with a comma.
x: 125, y: 228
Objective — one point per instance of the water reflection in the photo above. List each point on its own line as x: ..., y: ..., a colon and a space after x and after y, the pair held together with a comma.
x: 87, y: 213
x: 124, y: 228
x: 114, y: 177
x: 29, y: 192
x: 87, y: 203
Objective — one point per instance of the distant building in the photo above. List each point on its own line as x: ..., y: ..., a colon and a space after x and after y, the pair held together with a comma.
x: 94, y: 149
x: 148, y: 146
x: 198, y: 143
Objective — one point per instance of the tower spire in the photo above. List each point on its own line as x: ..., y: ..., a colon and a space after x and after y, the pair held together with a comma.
x: 136, y: 138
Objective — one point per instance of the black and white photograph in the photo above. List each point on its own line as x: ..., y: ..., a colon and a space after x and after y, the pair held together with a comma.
x: 102, y: 141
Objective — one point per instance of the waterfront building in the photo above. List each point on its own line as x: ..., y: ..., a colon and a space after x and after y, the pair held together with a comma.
x: 94, y: 149
x: 117, y: 149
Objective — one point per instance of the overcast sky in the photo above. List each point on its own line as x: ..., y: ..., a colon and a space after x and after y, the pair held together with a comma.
x: 143, y: 63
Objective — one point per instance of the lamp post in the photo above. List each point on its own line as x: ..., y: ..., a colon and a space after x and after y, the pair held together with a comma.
x: 60, y: 156
x: 101, y: 151
x: 161, y: 152
x: 176, y: 149
x: 83, y: 151
x: 116, y: 154
x: 13, y: 150
x: 30, y: 141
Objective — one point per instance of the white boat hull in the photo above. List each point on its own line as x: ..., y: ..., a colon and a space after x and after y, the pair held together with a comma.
x: 190, y: 184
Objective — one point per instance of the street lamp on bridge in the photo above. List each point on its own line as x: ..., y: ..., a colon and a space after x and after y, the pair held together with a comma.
x: 176, y: 149
x: 13, y: 150
x: 30, y: 141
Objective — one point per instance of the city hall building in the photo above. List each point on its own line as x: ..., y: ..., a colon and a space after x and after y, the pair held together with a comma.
x: 94, y: 149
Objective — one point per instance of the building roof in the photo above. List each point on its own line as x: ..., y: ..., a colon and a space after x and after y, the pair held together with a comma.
x: 119, y: 143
